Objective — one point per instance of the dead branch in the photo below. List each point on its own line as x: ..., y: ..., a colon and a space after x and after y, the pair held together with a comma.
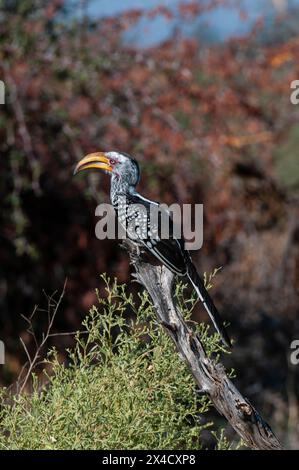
x: 209, y: 375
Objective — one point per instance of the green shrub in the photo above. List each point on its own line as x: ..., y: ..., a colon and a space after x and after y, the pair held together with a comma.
x: 124, y: 387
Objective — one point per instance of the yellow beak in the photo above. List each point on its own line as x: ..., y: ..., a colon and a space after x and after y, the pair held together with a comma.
x: 93, y: 161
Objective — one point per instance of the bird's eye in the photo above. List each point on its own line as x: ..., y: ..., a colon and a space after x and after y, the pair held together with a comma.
x: 112, y: 162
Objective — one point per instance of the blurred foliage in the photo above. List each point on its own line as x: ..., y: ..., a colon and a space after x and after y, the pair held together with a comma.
x: 287, y: 161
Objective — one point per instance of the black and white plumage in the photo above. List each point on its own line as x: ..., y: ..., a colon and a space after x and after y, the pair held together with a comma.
x: 141, y: 220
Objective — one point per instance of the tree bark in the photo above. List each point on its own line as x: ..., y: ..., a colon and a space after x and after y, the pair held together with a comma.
x: 209, y: 375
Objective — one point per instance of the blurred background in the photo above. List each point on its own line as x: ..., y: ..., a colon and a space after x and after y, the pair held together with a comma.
x: 199, y: 92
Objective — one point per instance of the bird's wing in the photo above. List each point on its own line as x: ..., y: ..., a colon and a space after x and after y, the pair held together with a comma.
x: 169, y: 250
x: 172, y: 253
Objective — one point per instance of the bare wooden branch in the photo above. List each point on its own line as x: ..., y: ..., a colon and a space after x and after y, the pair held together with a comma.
x: 209, y: 375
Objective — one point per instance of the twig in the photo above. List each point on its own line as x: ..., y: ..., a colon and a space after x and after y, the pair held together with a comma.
x: 209, y: 375
x: 33, y: 360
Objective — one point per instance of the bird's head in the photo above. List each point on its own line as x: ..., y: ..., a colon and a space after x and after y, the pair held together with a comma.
x: 118, y: 165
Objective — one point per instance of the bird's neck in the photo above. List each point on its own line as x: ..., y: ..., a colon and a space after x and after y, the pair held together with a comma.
x: 120, y: 187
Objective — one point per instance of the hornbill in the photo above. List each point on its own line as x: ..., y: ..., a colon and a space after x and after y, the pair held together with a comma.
x: 171, y: 251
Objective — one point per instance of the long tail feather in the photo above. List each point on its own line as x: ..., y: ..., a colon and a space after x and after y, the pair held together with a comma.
x: 208, y: 303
